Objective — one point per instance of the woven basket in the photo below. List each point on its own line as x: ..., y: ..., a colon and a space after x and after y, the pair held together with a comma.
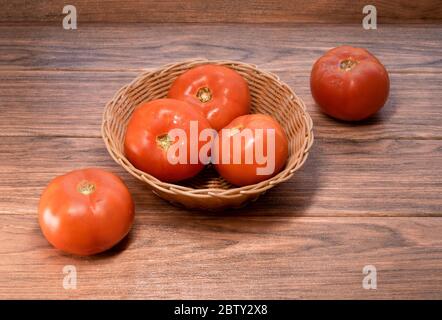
x: 208, y: 190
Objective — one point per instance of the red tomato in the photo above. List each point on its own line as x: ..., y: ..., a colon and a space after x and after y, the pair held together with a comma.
x: 147, y: 140
x: 86, y: 211
x: 221, y: 93
x: 246, y: 172
x: 349, y: 83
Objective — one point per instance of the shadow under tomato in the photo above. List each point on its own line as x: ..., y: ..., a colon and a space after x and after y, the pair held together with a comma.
x: 383, y: 115
x: 112, y: 252
x: 119, y: 247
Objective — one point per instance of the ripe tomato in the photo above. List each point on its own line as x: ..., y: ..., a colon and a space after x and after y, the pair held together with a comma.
x: 221, y: 93
x: 250, y: 142
x: 349, y: 83
x: 147, y: 139
x: 86, y: 211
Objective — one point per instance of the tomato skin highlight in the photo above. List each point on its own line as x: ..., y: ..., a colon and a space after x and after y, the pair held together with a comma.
x: 85, y: 212
x: 150, y: 122
x: 349, y: 83
x: 243, y: 174
x: 219, y: 92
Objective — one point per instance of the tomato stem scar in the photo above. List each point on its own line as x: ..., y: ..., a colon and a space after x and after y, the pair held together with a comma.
x: 164, y: 141
x: 204, y: 94
x: 348, y: 64
x: 86, y: 187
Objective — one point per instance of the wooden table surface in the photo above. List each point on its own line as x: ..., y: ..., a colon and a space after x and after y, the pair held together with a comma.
x: 369, y: 193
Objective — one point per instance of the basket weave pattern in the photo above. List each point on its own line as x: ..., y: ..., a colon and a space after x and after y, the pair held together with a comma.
x: 208, y: 190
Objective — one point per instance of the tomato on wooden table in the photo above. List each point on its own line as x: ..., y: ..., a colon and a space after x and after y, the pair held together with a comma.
x: 242, y: 138
x: 349, y: 83
x: 221, y: 93
x: 85, y: 211
x: 147, y: 140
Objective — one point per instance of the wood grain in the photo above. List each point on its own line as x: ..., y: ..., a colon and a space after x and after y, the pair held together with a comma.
x: 273, y: 47
x: 197, y: 11
x: 183, y: 256
x: 368, y: 194
x: 340, y: 178
x: 73, y: 102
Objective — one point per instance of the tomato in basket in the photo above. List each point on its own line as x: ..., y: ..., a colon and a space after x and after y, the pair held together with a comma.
x: 163, y: 139
x: 251, y: 149
x: 219, y: 92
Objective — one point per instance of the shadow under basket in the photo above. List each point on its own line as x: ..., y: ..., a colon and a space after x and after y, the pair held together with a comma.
x: 209, y: 191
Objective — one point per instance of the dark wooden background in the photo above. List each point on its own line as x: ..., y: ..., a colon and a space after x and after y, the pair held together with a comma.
x: 370, y: 193
x: 225, y: 11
